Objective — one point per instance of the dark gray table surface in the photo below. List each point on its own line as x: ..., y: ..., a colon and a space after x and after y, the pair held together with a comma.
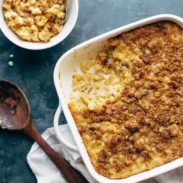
x: 33, y: 71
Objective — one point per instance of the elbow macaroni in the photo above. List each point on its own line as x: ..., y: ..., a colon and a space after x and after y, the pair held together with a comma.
x: 35, y: 20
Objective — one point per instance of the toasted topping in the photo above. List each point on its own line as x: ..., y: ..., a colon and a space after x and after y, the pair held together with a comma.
x: 129, y: 109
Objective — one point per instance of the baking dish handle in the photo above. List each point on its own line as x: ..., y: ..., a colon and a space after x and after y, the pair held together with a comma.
x: 57, y: 131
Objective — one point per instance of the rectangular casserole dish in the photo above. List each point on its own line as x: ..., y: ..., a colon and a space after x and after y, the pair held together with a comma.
x: 64, y: 70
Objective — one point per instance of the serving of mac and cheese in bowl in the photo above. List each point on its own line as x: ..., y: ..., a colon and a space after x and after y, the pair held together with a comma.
x: 36, y: 24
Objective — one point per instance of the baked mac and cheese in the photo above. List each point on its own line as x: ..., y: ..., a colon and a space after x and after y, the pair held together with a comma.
x: 128, y: 102
x: 35, y: 20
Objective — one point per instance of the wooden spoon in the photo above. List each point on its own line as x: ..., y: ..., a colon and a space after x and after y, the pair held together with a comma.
x: 15, y: 114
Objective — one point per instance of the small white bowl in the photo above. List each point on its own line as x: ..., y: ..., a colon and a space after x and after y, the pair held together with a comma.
x: 72, y: 9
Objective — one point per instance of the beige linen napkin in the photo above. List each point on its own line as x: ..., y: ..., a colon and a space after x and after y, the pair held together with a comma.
x: 46, y: 172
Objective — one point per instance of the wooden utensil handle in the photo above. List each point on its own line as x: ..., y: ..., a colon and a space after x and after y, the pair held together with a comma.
x: 70, y: 174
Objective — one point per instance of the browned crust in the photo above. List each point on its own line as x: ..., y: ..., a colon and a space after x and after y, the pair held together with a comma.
x: 149, y: 110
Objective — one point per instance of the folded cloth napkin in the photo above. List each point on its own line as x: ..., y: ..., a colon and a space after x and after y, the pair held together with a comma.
x: 46, y: 172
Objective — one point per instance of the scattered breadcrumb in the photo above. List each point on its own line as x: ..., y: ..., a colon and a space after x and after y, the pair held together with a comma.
x: 10, y: 63
x: 11, y: 56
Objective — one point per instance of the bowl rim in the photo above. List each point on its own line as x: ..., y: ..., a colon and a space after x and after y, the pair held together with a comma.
x: 72, y: 126
x: 11, y: 36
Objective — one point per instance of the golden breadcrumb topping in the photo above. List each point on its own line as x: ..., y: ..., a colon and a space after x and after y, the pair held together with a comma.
x: 35, y: 20
x: 128, y: 102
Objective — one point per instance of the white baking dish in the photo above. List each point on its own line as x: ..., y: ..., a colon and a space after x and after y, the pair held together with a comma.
x: 63, y: 72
